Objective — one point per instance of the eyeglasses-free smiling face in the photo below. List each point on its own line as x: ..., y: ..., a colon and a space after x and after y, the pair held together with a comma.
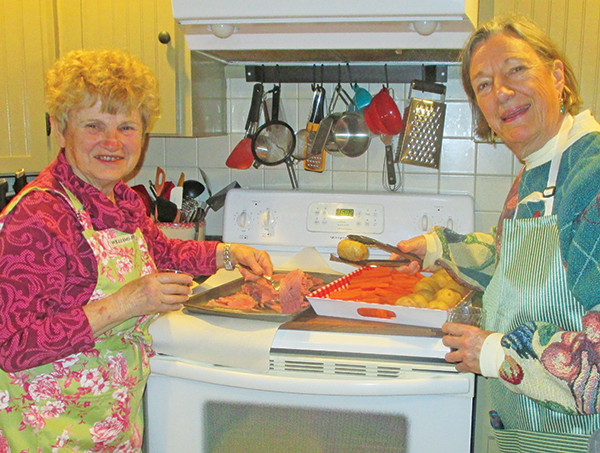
x: 101, y: 147
x: 517, y: 93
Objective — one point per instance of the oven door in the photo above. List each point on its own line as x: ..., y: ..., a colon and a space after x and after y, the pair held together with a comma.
x: 193, y: 407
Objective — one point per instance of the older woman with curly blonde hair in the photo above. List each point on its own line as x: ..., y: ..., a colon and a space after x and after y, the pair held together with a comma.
x: 78, y: 268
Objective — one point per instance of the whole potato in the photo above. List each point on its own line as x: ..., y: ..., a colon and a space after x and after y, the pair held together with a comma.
x: 406, y: 301
x: 441, y: 277
x: 451, y: 284
x: 352, y: 250
x: 438, y: 305
x: 448, y: 296
x: 419, y: 299
x: 427, y: 284
x: 430, y: 295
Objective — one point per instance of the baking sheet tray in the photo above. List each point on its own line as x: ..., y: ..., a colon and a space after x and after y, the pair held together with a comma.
x: 412, y: 316
x: 198, y: 303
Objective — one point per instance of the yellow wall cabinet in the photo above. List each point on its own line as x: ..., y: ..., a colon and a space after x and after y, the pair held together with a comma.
x: 26, y: 51
x: 134, y: 26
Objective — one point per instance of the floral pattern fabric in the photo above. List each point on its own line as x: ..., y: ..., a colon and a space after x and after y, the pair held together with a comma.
x: 61, y: 389
x: 42, y: 293
x: 89, y: 401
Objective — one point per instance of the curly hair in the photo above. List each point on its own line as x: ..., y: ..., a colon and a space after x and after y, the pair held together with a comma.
x: 523, y: 28
x: 120, y: 81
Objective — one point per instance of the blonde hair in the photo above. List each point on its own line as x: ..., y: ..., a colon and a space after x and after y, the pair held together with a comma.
x: 523, y: 28
x: 120, y: 81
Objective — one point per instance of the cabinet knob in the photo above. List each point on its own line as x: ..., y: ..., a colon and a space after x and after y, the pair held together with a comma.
x: 164, y: 37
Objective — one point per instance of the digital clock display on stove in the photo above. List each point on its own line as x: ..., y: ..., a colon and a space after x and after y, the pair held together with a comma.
x: 344, y: 212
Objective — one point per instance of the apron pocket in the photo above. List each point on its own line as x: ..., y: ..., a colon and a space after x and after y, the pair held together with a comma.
x: 516, y: 441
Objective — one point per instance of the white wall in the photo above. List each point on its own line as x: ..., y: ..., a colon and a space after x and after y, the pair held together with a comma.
x: 482, y: 170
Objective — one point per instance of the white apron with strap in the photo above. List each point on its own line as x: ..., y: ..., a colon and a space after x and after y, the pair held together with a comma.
x: 530, y: 284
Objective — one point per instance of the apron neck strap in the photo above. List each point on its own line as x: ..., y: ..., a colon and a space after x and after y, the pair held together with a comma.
x: 559, y: 148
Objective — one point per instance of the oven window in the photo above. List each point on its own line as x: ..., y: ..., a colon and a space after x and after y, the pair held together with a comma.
x: 253, y: 428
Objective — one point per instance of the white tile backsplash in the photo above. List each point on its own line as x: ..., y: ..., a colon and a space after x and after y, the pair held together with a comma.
x: 494, y: 159
x: 483, y: 171
x: 457, y: 156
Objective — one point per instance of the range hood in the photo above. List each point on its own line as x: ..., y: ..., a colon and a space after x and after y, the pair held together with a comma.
x: 326, y: 30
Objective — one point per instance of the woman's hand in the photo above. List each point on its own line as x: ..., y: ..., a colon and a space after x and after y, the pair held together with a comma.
x: 254, y: 263
x: 154, y: 293
x: 465, y: 342
x: 416, y: 246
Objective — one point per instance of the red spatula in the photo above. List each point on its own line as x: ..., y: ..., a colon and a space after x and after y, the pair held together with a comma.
x: 241, y: 157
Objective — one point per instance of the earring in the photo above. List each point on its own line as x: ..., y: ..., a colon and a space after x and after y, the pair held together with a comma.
x: 562, y: 105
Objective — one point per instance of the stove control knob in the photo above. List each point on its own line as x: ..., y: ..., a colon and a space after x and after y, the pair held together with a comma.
x: 242, y: 220
x: 424, y: 222
x: 267, y: 219
x: 450, y: 223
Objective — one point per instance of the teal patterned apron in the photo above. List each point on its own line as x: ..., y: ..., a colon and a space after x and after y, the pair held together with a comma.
x: 89, y: 401
x: 530, y: 283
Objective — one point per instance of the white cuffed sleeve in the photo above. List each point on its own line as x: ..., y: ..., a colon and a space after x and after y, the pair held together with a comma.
x: 491, y: 355
x: 434, y: 250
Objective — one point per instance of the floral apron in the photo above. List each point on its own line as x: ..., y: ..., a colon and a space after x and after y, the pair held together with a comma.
x: 530, y: 283
x: 89, y: 401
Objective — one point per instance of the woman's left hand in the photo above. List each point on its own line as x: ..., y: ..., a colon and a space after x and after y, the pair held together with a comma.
x: 465, y: 342
x: 255, y: 262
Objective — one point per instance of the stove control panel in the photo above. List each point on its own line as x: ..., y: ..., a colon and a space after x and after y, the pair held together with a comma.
x: 346, y: 217
x: 284, y: 219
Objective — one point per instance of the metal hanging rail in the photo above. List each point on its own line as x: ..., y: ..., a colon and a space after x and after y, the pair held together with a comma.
x: 335, y: 73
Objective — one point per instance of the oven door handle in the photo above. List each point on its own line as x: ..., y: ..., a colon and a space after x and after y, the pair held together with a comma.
x: 409, y: 383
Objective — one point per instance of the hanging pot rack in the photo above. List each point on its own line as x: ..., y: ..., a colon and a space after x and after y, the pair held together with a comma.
x: 336, y: 73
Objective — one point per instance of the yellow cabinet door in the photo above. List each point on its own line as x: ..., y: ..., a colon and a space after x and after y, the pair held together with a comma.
x: 26, y: 51
x: 134, y: 26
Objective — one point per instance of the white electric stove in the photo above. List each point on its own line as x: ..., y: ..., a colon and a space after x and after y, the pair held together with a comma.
x: 367, y: 388
x: 284, y: 223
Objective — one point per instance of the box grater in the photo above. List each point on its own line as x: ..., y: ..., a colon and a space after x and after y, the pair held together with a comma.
x: 422, y: 138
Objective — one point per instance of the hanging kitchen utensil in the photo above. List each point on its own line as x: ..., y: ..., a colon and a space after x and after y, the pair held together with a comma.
x: 275, y: 140
x: 315, y: 153
x: 241, y: 157
x: 303, y: 136
x: 422, y: 142
x: 383, y: 115
x: 350, y: 134
x: 362, y: 98
x: 391, y: 180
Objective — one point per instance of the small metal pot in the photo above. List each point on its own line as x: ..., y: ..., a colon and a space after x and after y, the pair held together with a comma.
x: 351, y: 134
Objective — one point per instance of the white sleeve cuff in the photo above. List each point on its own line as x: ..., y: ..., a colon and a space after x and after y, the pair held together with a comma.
x: 434, y: 250
x: 491, y: 355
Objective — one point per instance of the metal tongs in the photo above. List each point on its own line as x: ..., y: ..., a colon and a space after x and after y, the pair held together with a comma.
x: 404, y: 257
